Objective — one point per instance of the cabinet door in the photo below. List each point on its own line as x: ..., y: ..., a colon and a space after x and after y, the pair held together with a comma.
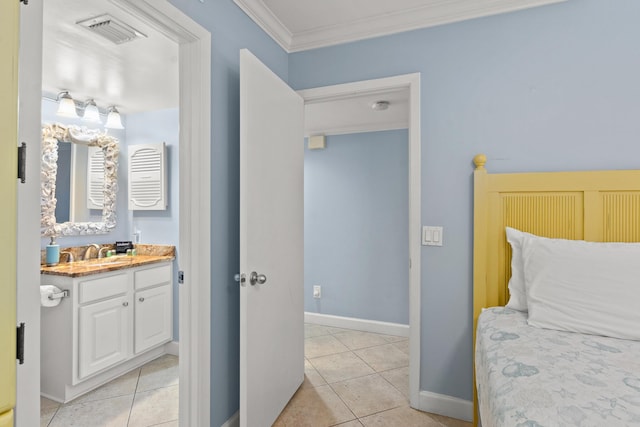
x: 104, y: 335
x: 153, y: 317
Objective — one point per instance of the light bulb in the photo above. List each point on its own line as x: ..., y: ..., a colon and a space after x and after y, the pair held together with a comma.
x: 91, y: 112
x: 66, y: 108
x: 113, y: 119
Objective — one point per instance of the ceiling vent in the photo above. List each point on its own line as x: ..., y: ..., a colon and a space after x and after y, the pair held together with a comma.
x: 111, y: 29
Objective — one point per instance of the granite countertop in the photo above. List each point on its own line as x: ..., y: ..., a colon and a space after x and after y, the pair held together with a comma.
x: 147, y: 254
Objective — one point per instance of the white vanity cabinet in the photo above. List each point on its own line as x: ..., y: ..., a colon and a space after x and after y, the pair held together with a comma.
x: 111, y: 323
x: 153, y: 307
x: 104, y: 322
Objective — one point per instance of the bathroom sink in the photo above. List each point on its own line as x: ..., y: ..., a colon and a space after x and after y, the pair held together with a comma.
x: 114, y: 260
x: 99, y: 265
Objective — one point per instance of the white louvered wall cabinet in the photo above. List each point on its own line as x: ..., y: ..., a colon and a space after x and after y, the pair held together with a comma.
x: 95, y: 178
x: 148, y: 177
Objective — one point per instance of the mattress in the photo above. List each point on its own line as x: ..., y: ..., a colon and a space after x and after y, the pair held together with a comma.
x: 530, y: 377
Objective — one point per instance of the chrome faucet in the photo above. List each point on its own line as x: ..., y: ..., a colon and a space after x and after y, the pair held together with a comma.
x: 87, y: 252
x: 100, y: 253
x: 69, y: 255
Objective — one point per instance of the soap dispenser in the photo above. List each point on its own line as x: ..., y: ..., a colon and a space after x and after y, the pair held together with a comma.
x: 53, y: 252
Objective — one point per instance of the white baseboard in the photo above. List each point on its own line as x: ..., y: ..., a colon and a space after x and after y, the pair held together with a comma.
x: 374, y: 326
x: 234, y: 421
x: 172, y: 347
x: 448, y: 406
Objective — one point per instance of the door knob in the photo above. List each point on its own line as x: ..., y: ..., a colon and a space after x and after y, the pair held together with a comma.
x: 257, y: 278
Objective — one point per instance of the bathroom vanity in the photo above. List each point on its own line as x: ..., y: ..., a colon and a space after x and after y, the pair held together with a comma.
x: 117, y: 316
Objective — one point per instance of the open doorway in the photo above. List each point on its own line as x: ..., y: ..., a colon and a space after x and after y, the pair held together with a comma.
x: 194, y: 53
x: 271, y: 233
x: 352, y: 109
x: 112, y: 60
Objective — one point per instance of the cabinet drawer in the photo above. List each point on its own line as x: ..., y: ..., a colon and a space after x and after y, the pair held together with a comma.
x: 154, y: 276
x: 104, y: 287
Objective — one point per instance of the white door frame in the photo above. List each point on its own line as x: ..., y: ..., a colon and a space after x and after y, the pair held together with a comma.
x: 195, y: 195
x: 28, y: 263
x: 412, y: 82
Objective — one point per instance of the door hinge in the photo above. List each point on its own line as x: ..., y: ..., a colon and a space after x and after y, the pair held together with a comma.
x: 20, y: 344
x: 26, y: 2
x: 22, y: 162
x: 181, y: 277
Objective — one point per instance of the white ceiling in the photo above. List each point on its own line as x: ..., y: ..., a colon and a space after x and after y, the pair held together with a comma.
x: 141, y: 75
x: 354, y: 114
x: 307, y: 24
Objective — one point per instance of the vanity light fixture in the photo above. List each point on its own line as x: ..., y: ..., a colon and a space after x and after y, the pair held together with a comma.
x: 91, y: 112
x: 66, y: 106
x: 113, y: 119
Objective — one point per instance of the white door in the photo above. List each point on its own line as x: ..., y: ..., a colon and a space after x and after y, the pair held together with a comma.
x: 271, y: 243
x: 105, y: 334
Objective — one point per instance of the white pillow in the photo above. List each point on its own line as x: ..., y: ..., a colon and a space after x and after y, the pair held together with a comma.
x: 586, y: 287
x: 517, y: 292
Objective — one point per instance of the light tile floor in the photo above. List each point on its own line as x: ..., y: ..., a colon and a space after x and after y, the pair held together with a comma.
x: 356, y: 379
x: 352, y: 379
x: 144, y: 397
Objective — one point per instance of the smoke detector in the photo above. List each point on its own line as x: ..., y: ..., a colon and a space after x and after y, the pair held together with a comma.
x: 380, y: 105
x: 111, y: 29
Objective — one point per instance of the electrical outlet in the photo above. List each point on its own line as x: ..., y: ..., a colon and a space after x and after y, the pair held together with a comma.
x: 317, y: 293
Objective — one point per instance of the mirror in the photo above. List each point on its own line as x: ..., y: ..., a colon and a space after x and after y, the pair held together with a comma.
x: 100, y: 152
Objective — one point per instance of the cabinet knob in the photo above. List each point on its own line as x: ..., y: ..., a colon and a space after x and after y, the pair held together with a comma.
x: 141, y: 299
x: 125, y: 303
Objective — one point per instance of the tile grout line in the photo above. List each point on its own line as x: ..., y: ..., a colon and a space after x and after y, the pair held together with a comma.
x: 342, y: 400
x: 54, y: 414
x: 353, y: 378
x: 375, y: 372
x: 394, y: 386
x: 379, y: 412
x: 135, y: 391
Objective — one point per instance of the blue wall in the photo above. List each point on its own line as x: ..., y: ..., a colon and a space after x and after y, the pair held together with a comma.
x: 159, y: 227
x: 230, y: 30
x: 356, y: 226
x: 550, y: 88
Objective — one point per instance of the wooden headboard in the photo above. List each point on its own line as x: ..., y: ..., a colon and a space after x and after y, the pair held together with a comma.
x: 599, y: 206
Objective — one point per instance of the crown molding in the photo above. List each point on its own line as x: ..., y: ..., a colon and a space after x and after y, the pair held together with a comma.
x: 430, y: 15
x: 265, y: 18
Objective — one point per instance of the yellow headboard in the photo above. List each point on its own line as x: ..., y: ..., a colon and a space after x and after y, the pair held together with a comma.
x: 599, y: 206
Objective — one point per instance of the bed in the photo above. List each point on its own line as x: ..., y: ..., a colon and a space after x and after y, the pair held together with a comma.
x: 532, y: 376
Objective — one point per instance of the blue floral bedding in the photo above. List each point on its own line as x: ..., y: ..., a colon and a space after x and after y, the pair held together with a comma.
x: 531, y: 377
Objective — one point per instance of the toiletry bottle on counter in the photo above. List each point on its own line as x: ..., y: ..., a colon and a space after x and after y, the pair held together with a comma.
x: 53, y: 252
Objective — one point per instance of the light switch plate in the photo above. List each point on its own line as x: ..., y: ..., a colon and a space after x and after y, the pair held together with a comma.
x: 432, y: 236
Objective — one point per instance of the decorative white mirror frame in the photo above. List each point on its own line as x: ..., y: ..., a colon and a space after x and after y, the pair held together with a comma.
x: 51, y: 134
